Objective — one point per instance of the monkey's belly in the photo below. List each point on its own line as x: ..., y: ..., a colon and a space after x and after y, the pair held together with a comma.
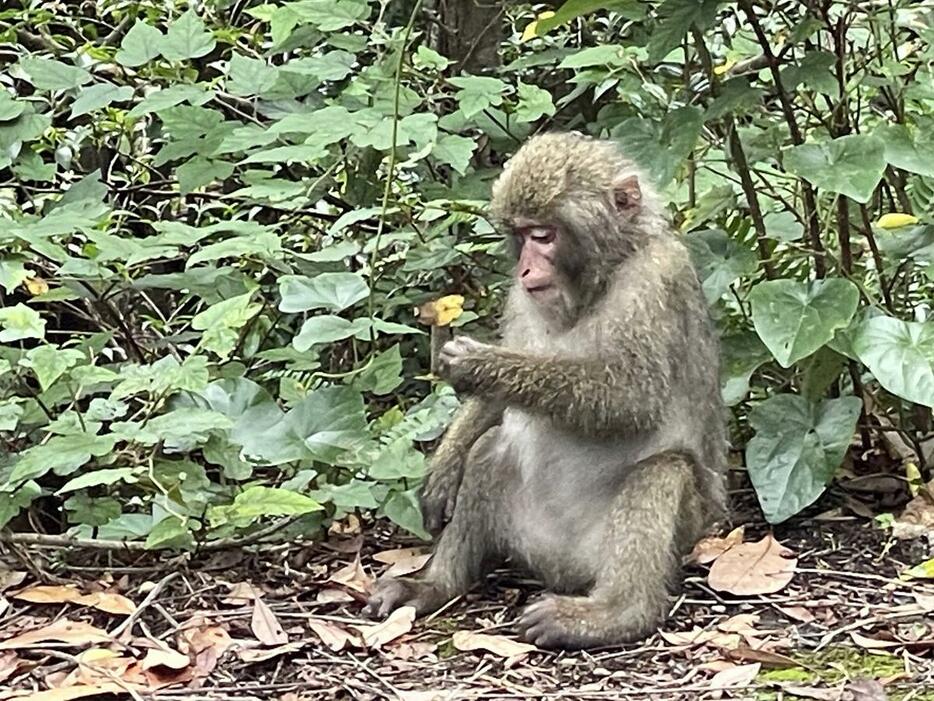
x: 562, y: 494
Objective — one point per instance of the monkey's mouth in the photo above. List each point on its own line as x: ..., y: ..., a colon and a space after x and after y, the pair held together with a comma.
x: 539, y: 291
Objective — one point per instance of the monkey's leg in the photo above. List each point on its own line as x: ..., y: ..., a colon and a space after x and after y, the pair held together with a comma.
x: 466, y: 548
x: 655, y: 517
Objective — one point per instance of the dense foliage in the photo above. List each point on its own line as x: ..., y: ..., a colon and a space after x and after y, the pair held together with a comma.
x: 218, y: 218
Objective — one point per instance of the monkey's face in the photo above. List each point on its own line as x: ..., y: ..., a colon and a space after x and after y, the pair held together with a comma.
x: 537, y: 245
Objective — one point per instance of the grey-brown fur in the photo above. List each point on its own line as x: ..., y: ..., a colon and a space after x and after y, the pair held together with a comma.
x: 592, y: 448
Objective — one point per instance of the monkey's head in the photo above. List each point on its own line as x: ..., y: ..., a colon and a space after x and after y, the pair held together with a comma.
x: 572, y: 208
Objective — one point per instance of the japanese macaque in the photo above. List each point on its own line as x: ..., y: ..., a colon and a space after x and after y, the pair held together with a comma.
x: 591, y: 448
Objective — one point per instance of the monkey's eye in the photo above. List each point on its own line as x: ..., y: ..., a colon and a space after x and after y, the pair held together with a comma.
x: 539, y: 234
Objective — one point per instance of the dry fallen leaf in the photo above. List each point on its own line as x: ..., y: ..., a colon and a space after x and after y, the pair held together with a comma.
x: 9, y: 663
x: 866, y: 690
x: 10, y: 579
x: 239, y: 594
x: 261, y: 655
x: 80, y: 692
x: 353, y: 577
x: 797, y: 613
x: 503, y: 647
x: 61, y: 631
x: 917, y: 518
x: 333, y: 596
x: 872, y: 643
x: 742, y: 675
x: 709, y: 549
x: 55, y: 594
x: 413, y: 651
x: 399, y: 623
x: 762, y: 567
x: 813, y: 692
x: 266, y: 626
x: 333, y: 635
x: 403, y: 561
x: 205, y: 644
x: 165, y: 658
x: 688, y: 638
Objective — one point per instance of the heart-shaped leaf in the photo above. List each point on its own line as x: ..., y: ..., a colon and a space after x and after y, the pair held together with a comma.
x: 900, y: 354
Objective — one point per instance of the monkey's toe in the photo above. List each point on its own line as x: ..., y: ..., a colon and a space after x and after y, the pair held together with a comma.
x: 568, y: 622
x: 389, y: 595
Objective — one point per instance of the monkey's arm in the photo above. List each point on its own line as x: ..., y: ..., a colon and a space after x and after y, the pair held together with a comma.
x: 439, y: 492
x: 627, y: 393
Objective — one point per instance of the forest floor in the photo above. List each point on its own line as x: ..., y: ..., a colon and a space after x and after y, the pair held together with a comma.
x: 283, y: 622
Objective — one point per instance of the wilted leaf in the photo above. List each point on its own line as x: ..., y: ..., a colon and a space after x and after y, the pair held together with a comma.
x: 255, y: 655
x: 868, y: 643
x: 503, y: 647
x: 165, y: 658
x: 710, y: 548
x: 240, y: 593
x: 266, y: 626
x: 398, y: 623
x: 404, y: 560
x: 742, y: 675
x: 61, y: 631
x: 353, y: 577
x: 763, y: 567
x: 333, y: 635
x: 333, y: 596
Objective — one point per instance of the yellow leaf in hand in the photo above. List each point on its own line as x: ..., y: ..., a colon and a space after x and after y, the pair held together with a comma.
x: 442, y: 311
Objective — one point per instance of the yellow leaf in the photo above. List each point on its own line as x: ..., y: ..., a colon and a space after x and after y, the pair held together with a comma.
x: 36, y: 285
x: 724, y: 67
x: 531, y: 29
x: 893, y: 220
x: 443, y: 311
x: 923, y: 571
x: 915, y: 481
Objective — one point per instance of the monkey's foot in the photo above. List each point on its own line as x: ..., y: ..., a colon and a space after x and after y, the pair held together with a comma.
x: 391, y: 593
x: 575, y: 622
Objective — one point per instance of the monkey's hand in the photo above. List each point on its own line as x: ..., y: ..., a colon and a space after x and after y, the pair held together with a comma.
x: 439, y: 492
x: 461, y: 362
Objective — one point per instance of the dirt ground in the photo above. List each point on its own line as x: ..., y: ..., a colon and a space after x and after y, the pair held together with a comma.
x: 283, y: 622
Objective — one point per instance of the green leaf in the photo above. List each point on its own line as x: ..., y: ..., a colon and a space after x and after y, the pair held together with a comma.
x: 222, y: 322
x: 262, y: 244
x: 661, y: 147
x: 250, y: 76
x: 850, y: 165
x: 356, y: 494
x: 97, y: 96
x: 402, y: 508
x: 454, y: 150
x: 126, y: 527
x: 10, y: 108
x: 813, y: 71
x: 258, y: 502
x: 719, y: 260
x: 795, y: 318
x: 170, y: 533
x: 675, y: 18
x: 741, y: 355
x: 12, y: 274
x: 906, y: 149
x: 398, y: 460
x: 603, y: 55
x: 140, y: 45
x: 796, y: 450
x: 330, y: 15
x: 900, y: 355
x: 334, y: 291
x: 382, y: 375
x: 19, y: 322
x: 783, y: 226
x: 534, y: 103
x: 61, y: 455
x: 160, y: 100
x: 91, y: 511
x: 186, y: 38
x: 10, y: 413
x: 99, y: 477
x: 322, y: 329
x: 571, y: 9
x: 477, y: 93
x: 49, y: 74
x: 50, y: 362
x: 12, y: 502
x: 200, y: 171
x: 736, y: 97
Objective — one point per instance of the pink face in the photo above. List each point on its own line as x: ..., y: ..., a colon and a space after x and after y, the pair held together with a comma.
x: 538, y: 245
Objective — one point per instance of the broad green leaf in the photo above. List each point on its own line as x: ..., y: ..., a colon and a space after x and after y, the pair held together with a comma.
x: 911, y: 150
x: 10, y: 413
x: 334, y: 291
x: 258, y: 502
x: 571, y: 9
x: 900, y: 355
x: 783, y: 226
x: 186, y: 38
x: 49, y: 74
x: 200, y: 171
x: 262, y: 244
x: 397, y: 460
x: 250, y: 76
x: 126, y: 527
x: 330, y: 15
x: 675, y: 19
x: 50, y: 362
x: 796, y: 318
x: 477, y: 93
x: 383, y: 374
x: 182, y: 429
x: 849, y: 165
x: 97, y: 96
x: 534, y: 103
x: 170, y: 533
x: 402, y: 508
x: 301, y: 153
x: 736, y: 97
x: 99, y: 477
x: 222, y: 322
x: 603, y: 55
x: 741, y: 355
x: 19, y: 322
x: 661, y: 147
x: 356, y: 494
x: 719, y: 260
x: 333, y: 65
x: 91, y: 511
x: 12, y: 501
x: 159, y: 100
x: 12, y: 274
x: 61, y: 455
x: 908, y: 242
x: 796, y: 450
x: 10, y: 108
x: 141, y: 45
x: 454, y: 150
x: 814, y: 71
x: 326, y: 328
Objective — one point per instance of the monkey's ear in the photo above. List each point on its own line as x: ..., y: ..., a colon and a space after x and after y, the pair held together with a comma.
x: 627, y: 195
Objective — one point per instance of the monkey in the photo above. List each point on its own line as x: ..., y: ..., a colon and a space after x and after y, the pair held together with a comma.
x: 591, y: 448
